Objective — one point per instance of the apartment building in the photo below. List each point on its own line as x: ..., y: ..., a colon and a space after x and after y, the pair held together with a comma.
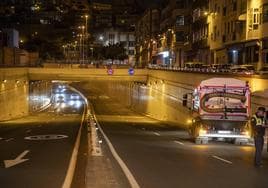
x: 237, y: 30
x: 200, y: 51
x: 147, y: 30
x: 174, y: 38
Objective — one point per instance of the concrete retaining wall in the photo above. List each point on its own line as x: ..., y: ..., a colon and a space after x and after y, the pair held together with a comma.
x: 161, y: 97
x: 14, y: 92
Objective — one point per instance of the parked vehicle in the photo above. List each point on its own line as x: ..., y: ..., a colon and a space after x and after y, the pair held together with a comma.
x: 241, y: 70
x: 193, y: 66
x: 250, y: 68
x: 220, y: 109
x: 220, y: 67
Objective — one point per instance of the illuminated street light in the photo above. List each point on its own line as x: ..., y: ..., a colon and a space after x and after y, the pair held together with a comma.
x: 101, y: 38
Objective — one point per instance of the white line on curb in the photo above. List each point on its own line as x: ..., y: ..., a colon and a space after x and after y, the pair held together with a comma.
x: 130, y: 177
x: 178, y: 142
x: 221, y: 159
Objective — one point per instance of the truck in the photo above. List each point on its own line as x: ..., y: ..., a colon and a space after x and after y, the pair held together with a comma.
x: 220, y: 109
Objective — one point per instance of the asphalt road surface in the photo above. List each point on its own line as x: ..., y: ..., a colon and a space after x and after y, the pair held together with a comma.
x: 159, y: 156
x: 35, y: 151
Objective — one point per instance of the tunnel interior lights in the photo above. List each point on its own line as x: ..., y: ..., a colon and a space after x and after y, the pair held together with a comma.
x: 17, y: 81
x: 4, y: 81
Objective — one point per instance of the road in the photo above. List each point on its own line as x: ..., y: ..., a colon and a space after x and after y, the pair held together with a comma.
x: 40, y: 161
x: 159, y: 156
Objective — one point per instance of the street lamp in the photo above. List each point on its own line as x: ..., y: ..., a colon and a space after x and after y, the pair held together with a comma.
x: 83, y: 43
x: 86, y: 16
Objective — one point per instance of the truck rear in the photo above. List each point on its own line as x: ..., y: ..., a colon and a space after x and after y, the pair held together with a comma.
x: 220, y: 109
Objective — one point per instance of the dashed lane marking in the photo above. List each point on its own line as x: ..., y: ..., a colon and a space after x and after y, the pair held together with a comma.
x: 10, y: 139
x: 221, y: 159
x: 178, y: 142
x: 28, y: 131
x: 156, y: 133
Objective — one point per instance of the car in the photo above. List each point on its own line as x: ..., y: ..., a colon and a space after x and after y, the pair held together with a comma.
x: 263, y: 70
x: 193, y: 66
x: 240, y: 70
x: 250, y: 68
x: 205, y: 68
x: 74, y: 96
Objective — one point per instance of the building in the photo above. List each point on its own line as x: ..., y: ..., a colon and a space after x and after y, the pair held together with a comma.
x: 10, y: 38
x: 174, y: 39
x: 163, y: 34
x: 126, y: 38
x: 238, y: 31
x: 147, y: 30
x: 209, y: 31
x: 114, y: 23
x: 200, y: 51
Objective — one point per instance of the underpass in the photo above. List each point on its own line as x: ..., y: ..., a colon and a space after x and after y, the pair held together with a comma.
x: 146, y: 124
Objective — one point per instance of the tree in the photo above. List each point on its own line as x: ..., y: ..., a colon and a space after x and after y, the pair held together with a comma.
x: 115, y: 51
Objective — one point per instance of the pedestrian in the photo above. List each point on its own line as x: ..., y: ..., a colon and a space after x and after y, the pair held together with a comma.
x: 258, y: 126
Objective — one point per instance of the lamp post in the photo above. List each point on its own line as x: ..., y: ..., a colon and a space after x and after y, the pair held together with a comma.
x: 86, y: 36
x: 83, y: 44
x: 80, y: 47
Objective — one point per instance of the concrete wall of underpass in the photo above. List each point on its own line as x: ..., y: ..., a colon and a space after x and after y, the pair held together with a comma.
x: 14, y: 92
x: 161, y: 96
x: 19, y: 96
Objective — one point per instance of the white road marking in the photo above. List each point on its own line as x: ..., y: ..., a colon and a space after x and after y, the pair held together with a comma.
x: 71, y: 168
x: 1, y: 138
x: 17, y: 160
x: 28, y: 131
x: 9, y: 139
x: 221, y: 159
x: 46, y: 137
x: 156, y: 133
x: 132, y: 181
x: 178, y: 142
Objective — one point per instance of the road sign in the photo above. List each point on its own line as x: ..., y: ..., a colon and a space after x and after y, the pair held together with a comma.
x: 110, y: 71
x: 131, y: 71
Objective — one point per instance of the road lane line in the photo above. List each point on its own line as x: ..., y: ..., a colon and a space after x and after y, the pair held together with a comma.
x: 28, y: 131
x: 156, y: 133
x: 71, y: 168
x: 221, y: 159
x: 127, y: 172
x: 178, y: 142
x: 9, y: 139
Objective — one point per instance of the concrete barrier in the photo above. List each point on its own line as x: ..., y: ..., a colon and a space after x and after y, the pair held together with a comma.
x: 14, y: 92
